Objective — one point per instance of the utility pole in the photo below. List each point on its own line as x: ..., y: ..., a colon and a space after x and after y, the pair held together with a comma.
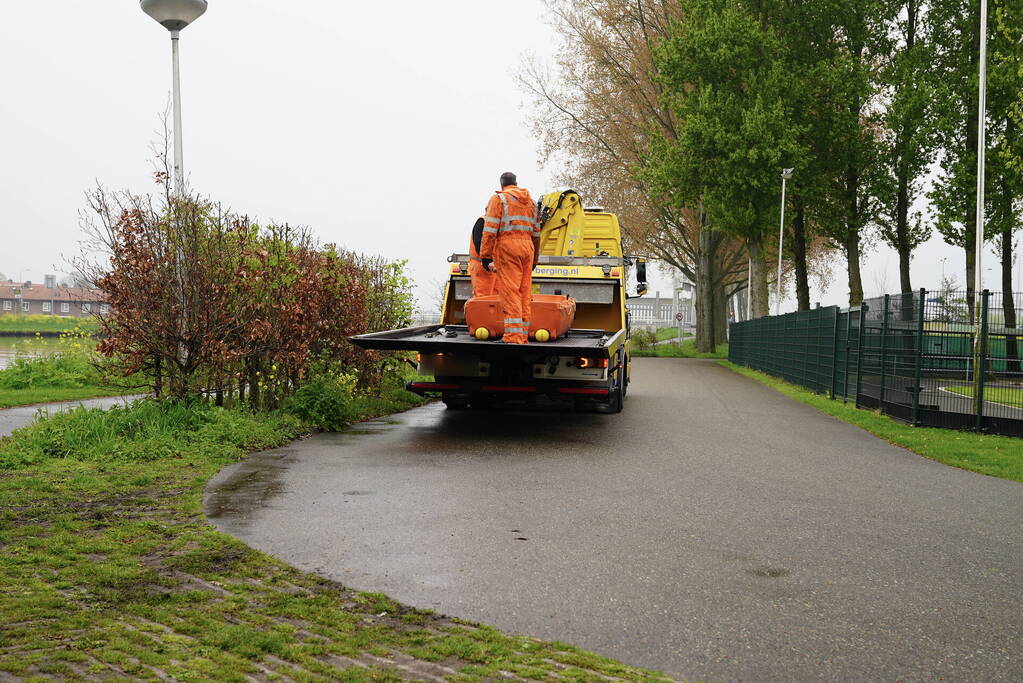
x: 978, y: 272
x: 786, y: 173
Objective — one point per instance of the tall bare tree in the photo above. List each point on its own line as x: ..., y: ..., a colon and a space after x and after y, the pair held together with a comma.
x: 593, y: 114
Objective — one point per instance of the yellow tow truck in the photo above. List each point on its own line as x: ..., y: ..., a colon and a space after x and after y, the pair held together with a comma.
x: 580, y: 257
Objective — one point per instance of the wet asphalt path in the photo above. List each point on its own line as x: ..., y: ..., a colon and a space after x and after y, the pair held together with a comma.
x: 22, y: 416
x: 715, y: 530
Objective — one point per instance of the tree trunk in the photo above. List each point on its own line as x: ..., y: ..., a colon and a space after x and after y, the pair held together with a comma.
x: 971, y: 273
x: 902, y: 194
x: 852, y: 235
x: 253, y: 368
x: 852, y: 256
x: 705, y: 293
x: 758, y: 289
x: 1008, y: 303
x: 902, y: 228
x: 799, y: 256
x: 972, y: 135
x: 720, y: 315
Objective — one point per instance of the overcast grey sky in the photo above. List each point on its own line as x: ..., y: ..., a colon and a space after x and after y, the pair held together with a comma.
x: 382, y: 126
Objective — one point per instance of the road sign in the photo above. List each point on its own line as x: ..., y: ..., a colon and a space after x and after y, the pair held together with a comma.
x: 679, y: 317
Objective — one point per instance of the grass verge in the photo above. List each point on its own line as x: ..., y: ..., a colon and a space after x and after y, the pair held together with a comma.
x: 10, y: 398
x: 670, y: 333
x: 65, y: 376
x: 1007, y: 396
x: 997, y: 456
x: 108, y: 569
x: 686, y: 350
x: 30, y: 324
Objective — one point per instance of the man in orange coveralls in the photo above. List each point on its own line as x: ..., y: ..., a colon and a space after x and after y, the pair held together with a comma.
x: 511, y: 239
x: 483, y: 280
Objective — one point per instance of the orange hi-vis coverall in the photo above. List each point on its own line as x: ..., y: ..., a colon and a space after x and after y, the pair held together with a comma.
x: 511, y: 236
x: 483, y: 281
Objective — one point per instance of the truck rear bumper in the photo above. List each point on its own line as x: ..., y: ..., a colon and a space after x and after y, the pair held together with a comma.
x: 470, y: 388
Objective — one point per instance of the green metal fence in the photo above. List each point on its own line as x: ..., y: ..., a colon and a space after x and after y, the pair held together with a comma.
x: 912, y: 356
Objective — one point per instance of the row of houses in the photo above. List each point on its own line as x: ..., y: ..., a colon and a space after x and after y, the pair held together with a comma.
x: 49, y: 298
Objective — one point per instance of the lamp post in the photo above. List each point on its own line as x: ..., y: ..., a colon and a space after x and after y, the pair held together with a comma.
x: 786, y: 173
x: 175, y: 15
x: 978, y: 273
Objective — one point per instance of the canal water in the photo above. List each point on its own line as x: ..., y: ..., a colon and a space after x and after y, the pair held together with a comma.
x: 12, y: 347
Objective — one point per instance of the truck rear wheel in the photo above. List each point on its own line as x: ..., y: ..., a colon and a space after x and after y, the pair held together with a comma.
x: 618, y: 398
x: 482, y: 402
x: 456, y: 402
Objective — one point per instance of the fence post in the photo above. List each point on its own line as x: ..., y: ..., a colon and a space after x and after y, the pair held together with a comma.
x: 834, y: 353
x: 884, y: 347
x: 918, y: 370
x: 848, y: 356
x: 859, y: 352
x: 982, y: 358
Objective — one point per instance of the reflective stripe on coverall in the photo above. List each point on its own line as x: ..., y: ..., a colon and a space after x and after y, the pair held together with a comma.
x: 511, y: 237
x: 483, y: 280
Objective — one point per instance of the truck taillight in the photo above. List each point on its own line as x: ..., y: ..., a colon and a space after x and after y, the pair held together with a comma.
x: 592, y: 363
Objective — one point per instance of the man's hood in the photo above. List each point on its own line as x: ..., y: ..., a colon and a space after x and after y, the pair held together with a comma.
x: 520, y: 193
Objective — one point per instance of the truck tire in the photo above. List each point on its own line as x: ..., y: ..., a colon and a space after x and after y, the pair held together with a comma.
x: 618, y: 398
x: 625, y: 375
x: 456, y: 402
x: 482, y: 402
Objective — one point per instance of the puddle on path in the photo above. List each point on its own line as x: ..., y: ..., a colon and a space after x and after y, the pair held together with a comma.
x: 238, y: 491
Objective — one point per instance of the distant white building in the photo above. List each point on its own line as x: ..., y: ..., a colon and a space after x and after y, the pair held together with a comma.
x: 661, y: 311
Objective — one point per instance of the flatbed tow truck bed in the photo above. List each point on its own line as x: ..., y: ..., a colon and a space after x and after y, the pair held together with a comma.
x: 470, y: 371
x: 456, y: 339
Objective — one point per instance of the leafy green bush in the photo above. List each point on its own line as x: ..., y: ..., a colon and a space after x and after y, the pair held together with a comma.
x: 58, y: 370
x: 327, y: 401
x: 642, y: 340
x: 144, y: 431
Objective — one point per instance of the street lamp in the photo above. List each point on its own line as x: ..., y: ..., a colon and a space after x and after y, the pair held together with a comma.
x: 175, y: 15
x: 978, y: 274
x: 786, y: 173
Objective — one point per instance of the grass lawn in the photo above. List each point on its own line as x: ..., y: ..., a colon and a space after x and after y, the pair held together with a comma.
x: 22, y: 324
x: 109, y: 569
x: 670, y: 333
x: 998, y: 456
x: 686, y: 350
x: 1008, y: 396
x: 66, y: 376
x: 10, y: 398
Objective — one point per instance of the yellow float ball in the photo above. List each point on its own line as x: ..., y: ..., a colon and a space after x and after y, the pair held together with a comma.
x: 543, y: 335
x: 482, y: 333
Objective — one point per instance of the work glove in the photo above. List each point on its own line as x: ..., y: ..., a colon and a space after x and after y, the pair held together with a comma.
x: 488, y: 264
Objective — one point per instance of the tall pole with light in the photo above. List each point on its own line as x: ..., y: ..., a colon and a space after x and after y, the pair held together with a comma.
x: 174, y: 15
x: 786, y: 173
x: 978, y: 271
